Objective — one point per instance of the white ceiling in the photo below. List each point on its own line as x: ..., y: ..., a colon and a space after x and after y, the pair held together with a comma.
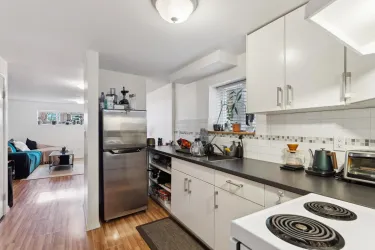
x: 44, y: 41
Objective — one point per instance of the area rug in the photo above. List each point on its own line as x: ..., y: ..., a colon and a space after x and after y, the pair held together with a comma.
x: 166, y: 234
x: 43, y: 172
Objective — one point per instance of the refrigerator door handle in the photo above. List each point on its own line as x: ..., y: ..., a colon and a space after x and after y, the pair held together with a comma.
x: 124, y: 151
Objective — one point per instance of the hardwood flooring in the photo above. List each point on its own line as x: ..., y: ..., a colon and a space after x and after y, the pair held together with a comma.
x: 48, y: 214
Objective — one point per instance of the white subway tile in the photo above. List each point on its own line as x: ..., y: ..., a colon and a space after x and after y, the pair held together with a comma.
x: 358, y: 133
x: 251, y: 155
x: 264, y: 143
x: 261, y: 118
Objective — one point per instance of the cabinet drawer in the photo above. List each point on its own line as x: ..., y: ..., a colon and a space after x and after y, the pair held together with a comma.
x: 197, y: 171
x: 275, y: 196
x: 247, y: 189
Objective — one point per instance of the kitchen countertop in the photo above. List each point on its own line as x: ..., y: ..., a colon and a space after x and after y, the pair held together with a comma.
x: 270, y: 174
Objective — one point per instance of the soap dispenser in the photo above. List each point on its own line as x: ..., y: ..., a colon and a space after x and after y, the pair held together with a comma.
x: 239, y: 151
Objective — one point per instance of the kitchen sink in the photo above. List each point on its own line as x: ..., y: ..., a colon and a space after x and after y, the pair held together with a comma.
x: 220, y: 158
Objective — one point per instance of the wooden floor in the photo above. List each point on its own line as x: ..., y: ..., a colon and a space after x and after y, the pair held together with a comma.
x: 48, y: 214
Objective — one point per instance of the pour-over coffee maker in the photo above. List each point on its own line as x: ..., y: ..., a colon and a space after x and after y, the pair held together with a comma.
x: 293, y: 159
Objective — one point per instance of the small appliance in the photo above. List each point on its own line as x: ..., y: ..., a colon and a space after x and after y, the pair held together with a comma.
x: 151, y: 142
x: 293, y: 159
x: 360, y: 166
x: 324, y: 163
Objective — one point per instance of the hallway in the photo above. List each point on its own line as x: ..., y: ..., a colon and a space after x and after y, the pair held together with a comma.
x: 48, y: 214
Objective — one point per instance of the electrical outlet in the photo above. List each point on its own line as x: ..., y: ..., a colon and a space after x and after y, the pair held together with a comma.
x: 339, y: 143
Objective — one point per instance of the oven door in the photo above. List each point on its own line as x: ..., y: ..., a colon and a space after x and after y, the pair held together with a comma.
x: 236, y: 245
x: 360, y: 166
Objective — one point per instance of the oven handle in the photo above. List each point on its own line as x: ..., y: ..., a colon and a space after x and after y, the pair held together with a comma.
x: 361, y: 155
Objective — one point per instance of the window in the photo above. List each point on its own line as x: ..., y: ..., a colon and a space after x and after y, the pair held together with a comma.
x: 231, y: 103
x: 55, y: 117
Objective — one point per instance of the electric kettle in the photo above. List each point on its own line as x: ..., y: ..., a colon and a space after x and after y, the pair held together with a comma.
x: 323, y: 163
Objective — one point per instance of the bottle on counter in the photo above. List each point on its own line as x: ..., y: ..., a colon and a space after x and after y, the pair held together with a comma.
x: 101, y: 101
x: 239, y: 151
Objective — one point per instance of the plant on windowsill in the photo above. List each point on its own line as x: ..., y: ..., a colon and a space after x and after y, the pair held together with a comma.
x: 234, y: 99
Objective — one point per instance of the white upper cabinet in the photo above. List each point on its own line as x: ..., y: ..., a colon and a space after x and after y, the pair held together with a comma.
x: 362, y: 70
x: 265, y: 68
x: 314, y: 64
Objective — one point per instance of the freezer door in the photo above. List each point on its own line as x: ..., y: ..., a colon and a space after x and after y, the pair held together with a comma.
x: 124, y: 129
x: 124, y: 182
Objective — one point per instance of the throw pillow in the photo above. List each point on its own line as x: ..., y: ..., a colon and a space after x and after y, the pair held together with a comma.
x: 31, y: 144
x: 21, y: 146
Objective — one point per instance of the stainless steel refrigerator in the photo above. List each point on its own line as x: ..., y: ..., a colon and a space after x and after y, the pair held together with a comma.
x: 123, y: 163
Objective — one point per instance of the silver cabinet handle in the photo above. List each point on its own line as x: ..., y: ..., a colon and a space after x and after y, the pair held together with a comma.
x: 215, y: 199
x: 185, y: 180
x: 289, y: 94
x: 346, y: 85
x: 278, y: 102
x: 234, y: 184
x: 281, y: 195
x: 189, y: 191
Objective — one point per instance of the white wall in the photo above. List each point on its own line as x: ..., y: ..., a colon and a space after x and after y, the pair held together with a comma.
x: 193, y: 100
x: 23, y: 124
x: 91, y: 140
x: 134, y: 83
x: 159, y: 113
x: 4, y: 144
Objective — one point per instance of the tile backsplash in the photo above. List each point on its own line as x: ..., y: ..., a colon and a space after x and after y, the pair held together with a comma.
x: 311, y: 130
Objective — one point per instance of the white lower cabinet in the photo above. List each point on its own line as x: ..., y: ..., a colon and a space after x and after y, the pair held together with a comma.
x: 202, y: 209
x: 193, y: 204
x: 229, y: 207
x: 275, y: 196
x: 208, y: 210
x: 180, y: 197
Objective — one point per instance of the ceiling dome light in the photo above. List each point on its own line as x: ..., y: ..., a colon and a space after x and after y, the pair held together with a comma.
x: 175, y: 11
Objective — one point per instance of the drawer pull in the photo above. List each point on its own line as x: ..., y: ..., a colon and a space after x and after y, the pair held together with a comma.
x: 234, y: 184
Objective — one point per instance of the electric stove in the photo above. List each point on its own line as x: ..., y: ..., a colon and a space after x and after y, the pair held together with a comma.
x: 310, y: 222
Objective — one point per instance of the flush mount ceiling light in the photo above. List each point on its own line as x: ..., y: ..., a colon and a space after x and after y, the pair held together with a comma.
x: 351, y: 21
x: 175, y: 11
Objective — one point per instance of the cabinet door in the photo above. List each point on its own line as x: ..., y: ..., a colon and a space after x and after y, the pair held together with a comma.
x: 229, y: 207
x: 265, y: 68
x: 362, y: 69
x: 180, y: 197
x: 274, y: 196
x: 202, y: 208
x: 314, y: 64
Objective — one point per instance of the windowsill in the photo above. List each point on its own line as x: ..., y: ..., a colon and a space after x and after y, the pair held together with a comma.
x: 231, y: 133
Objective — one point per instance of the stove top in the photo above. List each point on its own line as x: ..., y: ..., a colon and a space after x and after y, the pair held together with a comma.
x: 330, y: 211
x: 309, y: 222
x: 304, y: 232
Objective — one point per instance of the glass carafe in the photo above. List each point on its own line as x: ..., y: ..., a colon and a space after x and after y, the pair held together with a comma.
x: 197, y: 148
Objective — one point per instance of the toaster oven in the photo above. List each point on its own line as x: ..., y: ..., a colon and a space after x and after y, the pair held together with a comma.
x: 360, y: 166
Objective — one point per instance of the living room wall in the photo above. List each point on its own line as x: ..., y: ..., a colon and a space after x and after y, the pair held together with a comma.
x: 23, y: 123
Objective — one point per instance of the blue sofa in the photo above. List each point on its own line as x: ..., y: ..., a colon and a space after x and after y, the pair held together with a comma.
x: 25, y: 162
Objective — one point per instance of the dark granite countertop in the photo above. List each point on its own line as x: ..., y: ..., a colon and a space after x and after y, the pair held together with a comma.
x: 297, y: 182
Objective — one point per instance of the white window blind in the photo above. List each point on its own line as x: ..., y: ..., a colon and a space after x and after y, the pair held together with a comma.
x: 227, y: 95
